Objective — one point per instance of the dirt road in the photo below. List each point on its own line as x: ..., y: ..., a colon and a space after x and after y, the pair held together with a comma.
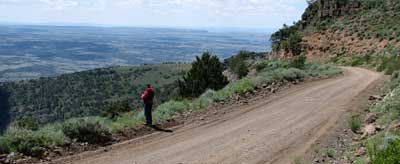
x: 268, y: 132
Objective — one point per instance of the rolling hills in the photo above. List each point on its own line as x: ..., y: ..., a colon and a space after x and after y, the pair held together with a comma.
x: 88, y: 93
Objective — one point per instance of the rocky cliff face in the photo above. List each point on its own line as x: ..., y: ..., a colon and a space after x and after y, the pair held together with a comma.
x: 327, y: 9
x: 336, y: 8
x: 332, y: 28
x: 349, y: 27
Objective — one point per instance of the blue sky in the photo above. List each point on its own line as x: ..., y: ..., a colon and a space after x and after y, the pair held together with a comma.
x: 158, y: 13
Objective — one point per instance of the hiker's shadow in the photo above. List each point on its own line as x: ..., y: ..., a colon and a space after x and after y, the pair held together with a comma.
x: 156, y: 128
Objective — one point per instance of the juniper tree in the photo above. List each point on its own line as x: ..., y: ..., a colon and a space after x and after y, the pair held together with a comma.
x: 206, y: 73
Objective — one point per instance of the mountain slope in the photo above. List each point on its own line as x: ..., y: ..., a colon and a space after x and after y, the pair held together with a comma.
x: 332, y: 28
x: 90, y: 92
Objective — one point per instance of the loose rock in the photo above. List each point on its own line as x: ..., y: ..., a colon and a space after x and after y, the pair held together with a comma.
x: 361, y: 151
x: 372, y: 98
x: 371, y: 118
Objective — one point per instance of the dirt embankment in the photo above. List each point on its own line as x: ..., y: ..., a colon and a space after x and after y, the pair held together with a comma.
x: 328, y: 44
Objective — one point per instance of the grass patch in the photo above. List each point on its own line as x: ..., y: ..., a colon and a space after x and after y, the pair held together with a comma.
x: 85, y: 130
x: 360, y: 160
x: 297, y: 160
x: 331, y: 153
x: 389, y: 107
x: 32, y: 143
x: 384, y: 148
x: 355, y: 122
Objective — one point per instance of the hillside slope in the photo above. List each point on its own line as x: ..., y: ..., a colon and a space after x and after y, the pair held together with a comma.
x: 332, y: 28
x: 90, y: 92
x: 358, y: 33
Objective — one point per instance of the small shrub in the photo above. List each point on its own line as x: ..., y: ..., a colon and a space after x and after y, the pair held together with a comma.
x: 395, y: 81
x: 28, y: 142
x: 242, y: 86
x: 298, y: 62
x: 203, y: 101
x: 288, y: 39
x: 384, y: 149
x: 269, y: 65
x: 297, y: 160
x: 123, y: 121
x: 355, y: 123
x: 320, y: 70
x: 331, y: 153
x: 26, y: 123
x: 357, y: 62
x: 360, y: 160
x: 169, y: 109
x: 116, y: 109
x: 87, y: 131
x: 389, y: 63
x: 392, y: 65
x: 291, y: 74
x: 222, y: 94
x: 237, y: 64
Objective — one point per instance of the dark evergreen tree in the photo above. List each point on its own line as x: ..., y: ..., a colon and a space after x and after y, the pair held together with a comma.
x: 287, y: 38
x: 237, y: 64
x: 5, y: 117
x: 206, y: 73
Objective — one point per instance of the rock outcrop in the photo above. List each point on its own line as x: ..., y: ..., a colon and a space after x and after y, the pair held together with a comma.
x: 321, y: 10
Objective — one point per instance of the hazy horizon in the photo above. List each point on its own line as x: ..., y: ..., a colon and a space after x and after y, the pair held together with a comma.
x: 207, y: 28
x: 239, y: 14
x: 35, y: 51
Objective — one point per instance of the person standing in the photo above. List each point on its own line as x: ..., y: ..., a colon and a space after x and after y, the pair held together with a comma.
x: 147, y: 97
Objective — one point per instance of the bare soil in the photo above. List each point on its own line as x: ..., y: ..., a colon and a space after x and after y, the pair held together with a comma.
x: 264, y: 129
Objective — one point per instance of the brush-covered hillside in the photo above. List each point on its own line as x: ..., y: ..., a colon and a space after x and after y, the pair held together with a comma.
x: 87, y: 93
x: 341, y: 28
x: 362, y: 33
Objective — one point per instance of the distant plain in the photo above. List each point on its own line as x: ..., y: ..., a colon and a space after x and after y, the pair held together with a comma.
x: 28, y: 52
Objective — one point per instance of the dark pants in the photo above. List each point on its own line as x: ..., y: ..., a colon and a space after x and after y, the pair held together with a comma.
x: 147, y: 113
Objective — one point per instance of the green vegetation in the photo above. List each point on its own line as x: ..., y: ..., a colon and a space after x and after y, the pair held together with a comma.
x: 206, y: 73
x: 331, y: 153
x: 360, y: 161
x: 298, y: 62
x: 297, y: 160
x: 5, y: 116
x: 387, y: 60
x: 26, y: 123
x: 375, y: 19
x: 90, y: 93
x: 32, y: 143
x: 355, y: 123
x: 288, y: 39
x: 379, y: 19
x: 21, y: 137
x: 395, y: 80
x: 389, y: 107
x: 384, y: 148
x: 373, y: 22
x: 85, y: 130
x: 240, y: 63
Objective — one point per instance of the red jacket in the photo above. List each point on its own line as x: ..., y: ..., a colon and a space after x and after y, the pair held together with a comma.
x: 148, y: 95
